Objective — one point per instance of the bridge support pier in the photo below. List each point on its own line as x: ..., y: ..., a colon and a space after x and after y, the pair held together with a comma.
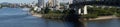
x: 83, y: 11
x: 79, y: 11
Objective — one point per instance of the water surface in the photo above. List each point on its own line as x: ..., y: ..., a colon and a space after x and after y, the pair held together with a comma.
x: 19, y: 17
x: 104, y: 23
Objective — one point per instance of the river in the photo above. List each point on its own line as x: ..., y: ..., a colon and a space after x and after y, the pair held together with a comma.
x: 104, y: 23
x: 19, y: 17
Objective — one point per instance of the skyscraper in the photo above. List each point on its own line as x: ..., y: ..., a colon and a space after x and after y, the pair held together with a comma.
x: 41, y: 3
x: 53, y: 3
x: 70, y: 1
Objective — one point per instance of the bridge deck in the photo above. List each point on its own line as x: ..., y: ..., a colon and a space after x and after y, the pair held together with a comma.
x: 109, y: 3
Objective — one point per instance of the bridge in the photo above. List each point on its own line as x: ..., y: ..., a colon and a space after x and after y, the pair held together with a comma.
x: 78, y: 7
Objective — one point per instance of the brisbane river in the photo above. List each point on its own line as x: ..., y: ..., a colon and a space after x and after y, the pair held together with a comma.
x: 19, y: 17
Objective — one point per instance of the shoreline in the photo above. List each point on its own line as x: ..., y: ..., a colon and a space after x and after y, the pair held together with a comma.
x: 99, y: 18
x: 102, y: 18
x: 36, y: 14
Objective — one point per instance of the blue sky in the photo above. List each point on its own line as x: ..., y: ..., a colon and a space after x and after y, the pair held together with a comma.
x: 17, y: 1
x: 25, y: 1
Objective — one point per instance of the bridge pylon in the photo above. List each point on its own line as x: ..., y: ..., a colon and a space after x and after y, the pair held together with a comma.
x: 83, y: 11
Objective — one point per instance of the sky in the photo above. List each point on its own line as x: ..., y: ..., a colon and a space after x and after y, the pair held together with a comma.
x: 26, y: 1
x: 17, y: 1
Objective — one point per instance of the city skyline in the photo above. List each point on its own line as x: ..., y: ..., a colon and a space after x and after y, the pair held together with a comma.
x: 27, y: 1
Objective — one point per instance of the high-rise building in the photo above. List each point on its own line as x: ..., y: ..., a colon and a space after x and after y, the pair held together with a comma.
x: 53, y: 3
x: 70, y: 1
x: 41, y: 3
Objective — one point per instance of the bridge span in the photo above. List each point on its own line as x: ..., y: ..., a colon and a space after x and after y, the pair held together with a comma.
x: 82, y: 6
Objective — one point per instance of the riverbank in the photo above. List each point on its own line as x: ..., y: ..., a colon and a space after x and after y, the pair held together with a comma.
x: 61, y: 16
x: 48, y: 16
x: 103, y: 18
x: 99, y: 18
x: 36, y: 14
